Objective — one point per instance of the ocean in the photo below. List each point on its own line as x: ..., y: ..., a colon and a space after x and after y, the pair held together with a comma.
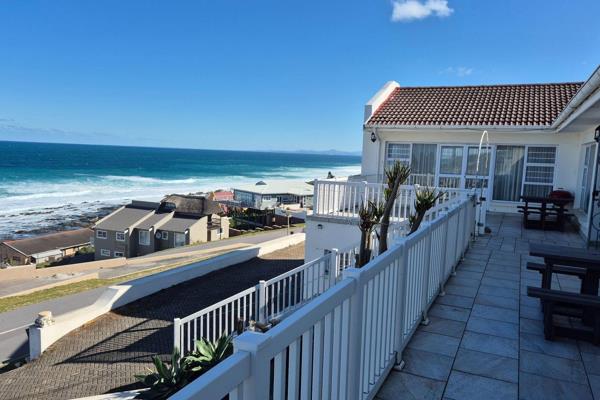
x: 46, y: 187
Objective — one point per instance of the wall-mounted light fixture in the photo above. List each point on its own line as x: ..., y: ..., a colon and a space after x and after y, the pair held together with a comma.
x: 373, y: 137
x: 597, y: 134
x: 320, y: 226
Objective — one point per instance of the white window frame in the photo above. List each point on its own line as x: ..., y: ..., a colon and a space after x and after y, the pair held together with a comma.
x: 104, y: 234
x: 119, y: 254
x: 120, y: 234
x: 143, y: 243
x: 587, y: 171
x: 532, y: 164
x: 105, y: 252
x: 164, y: 235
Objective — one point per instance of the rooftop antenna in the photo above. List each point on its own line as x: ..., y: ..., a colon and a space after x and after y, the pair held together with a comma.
x: 478, y: 176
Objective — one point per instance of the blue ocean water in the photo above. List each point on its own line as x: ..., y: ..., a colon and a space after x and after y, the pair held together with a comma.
x: 43, y: 182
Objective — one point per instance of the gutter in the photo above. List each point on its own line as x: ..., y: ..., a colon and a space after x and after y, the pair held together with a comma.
x: 584, y: 92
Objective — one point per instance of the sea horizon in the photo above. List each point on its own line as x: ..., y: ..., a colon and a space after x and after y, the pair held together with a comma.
x: 47, y: 187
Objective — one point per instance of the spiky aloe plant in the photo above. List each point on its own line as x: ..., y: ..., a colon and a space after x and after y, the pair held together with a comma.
x: 425, y: 200
x: 369, y: 216
x: 396, y: 176
x: 207, y: 354
x: 166, y: 380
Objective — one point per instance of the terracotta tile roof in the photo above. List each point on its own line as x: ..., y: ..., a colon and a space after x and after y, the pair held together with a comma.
x: 508, y: 105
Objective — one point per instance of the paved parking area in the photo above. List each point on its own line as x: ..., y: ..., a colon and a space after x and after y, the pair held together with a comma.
x: 485, y: 339
x: 104, y: 355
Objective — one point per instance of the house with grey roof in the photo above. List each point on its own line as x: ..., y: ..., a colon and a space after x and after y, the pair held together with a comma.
x: 141, y: 228
x: 267, y: 195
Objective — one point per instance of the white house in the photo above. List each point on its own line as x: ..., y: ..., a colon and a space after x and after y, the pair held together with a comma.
x: 541, y: 137
x: 264, y: 195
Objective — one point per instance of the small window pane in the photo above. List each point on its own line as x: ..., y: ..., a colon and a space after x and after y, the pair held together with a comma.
x: 476, y: 183
x: 484, y: 158
x: 451, y: 160
x: 422, y: 166
x: 537, y: 190
x: 538, y: 174
x: 450, y: 182
x: 541, y: 155
x: 398, y: 152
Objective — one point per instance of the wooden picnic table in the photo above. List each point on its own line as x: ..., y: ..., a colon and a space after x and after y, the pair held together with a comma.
x: 587, y: 261
x: 548, y: 207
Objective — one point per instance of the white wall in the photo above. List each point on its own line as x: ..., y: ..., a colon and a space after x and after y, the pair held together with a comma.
x: 335, y: 234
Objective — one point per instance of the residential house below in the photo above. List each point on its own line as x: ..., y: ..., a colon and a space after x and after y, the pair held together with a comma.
x: 45, y: 248
x: 267, y: 195
x: 143, y: 227
x: 540, y: 138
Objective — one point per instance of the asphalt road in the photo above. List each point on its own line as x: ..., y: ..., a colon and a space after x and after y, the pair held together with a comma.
x: 13, y: 324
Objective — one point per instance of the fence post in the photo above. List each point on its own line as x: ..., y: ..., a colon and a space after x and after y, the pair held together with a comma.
x: 427, y: 232
x: 257, y: 386
x: 262, y: 301
x: 445, y: 254
x: 355, y: 335
x: 316, y: 197
x: 177, y: 335
x: 399, y: 317
x: 333, y: 266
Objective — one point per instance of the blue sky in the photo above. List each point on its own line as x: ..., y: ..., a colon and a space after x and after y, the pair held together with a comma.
x: 275, y: 75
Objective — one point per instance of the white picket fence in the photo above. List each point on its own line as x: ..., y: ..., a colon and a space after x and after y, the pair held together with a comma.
x: 343, y: 199
x: 267, y: 301
x: 343, y: 343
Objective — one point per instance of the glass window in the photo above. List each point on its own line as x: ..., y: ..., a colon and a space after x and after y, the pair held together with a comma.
x: 165, y: 235
x: 101, y: 234
x: 397, y: 152
x: 539, y: 171
x: 179, y: 239
x: 144, y: 238
x: 451, y: 160
x: 120, y: 236
x: 586, y: 178
x: 508, y: 173
x: 105, y: 253
x: 422, y: 164
x: 450, y: 182
x: 484, y: 161
x: 118, y: 254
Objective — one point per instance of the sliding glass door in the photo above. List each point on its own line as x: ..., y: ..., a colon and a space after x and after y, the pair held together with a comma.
x: 508, y: 173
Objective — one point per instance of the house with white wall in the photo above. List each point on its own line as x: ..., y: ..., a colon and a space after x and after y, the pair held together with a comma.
x: 540, y: 137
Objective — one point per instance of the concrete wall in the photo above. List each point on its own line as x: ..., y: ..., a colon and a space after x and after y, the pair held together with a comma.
x: 120, y: 295
x: 198, y: 232
x: 30, y: 271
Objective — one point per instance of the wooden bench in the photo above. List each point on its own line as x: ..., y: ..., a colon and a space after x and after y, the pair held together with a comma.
x: 572, y: 305
x: 558, y: 269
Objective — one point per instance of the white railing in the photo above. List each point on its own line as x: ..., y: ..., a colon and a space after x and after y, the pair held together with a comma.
x: 342, y: 344
x: 267, y: 301
x: 343, y: 199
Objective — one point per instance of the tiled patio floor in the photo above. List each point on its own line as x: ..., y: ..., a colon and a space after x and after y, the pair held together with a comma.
x: 485, y: 339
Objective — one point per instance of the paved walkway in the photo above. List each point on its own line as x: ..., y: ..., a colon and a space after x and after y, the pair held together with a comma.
x: 485, y: 339
x: 104, y: 355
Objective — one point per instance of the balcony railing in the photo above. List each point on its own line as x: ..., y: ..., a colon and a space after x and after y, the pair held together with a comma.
x: 343, y: 343
x: 343, y: 199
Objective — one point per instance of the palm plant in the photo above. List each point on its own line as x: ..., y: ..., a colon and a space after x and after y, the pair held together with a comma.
x: 207, y: 354
x: 166, y: 380
x: 369, y: 216
x: 425, y: 200
x: 395, y: 177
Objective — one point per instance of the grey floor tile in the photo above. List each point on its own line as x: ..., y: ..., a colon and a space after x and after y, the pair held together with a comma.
x: 459, y: 280
x: 488, y: 365
x: 498, y: 291
x: 490, y: 344
x: 493, y: 327
x: 511, y: 276
x: 403, y: 386
x: 553, y: 367
x: 434, y: 343
x: 449, y: 312
x: 497, y: 301
x: 587, y: 347
x: 595, y: 385
x: 495, y: 313
x: 533, y: 326
x: 463, y: 386
x: 468, y: 274
x: 592, y: 363
x: 454, y: 300
x: 444, y: 326
x: 501, y: 283
x: 426, y: 364
x: 531, y: 312
x: 535, y: 387
x: 559, y: 348
x: 460, y: 290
